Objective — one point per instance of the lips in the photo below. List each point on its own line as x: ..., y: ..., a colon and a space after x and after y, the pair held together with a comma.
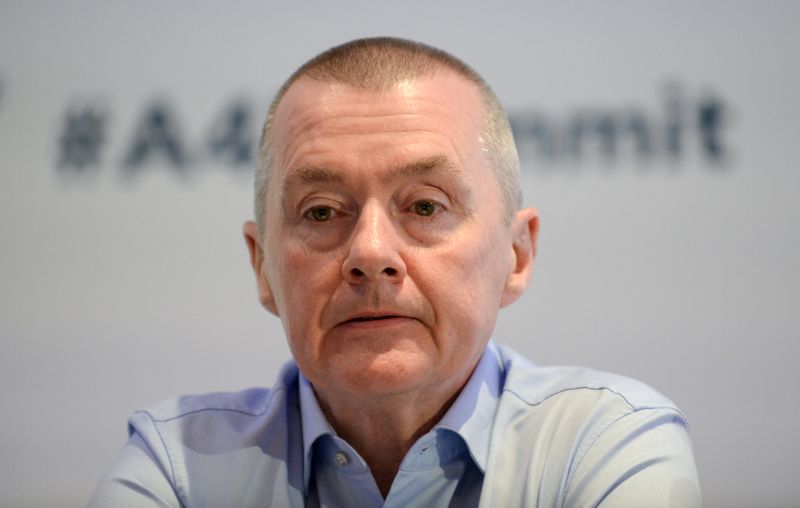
x: 373, y: 313
x: 374, y: 320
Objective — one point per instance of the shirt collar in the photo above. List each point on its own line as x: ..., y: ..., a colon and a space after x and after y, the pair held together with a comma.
x: 471, y: 416
x: 314, y: 425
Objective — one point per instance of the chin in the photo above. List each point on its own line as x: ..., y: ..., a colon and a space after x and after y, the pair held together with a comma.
x: 384, y: 374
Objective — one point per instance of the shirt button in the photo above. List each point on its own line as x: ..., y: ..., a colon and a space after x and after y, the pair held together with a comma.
x: 341, y: 458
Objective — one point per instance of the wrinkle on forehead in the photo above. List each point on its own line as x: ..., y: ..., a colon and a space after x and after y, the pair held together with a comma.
x: 432, y: 165
x: 309, y: 103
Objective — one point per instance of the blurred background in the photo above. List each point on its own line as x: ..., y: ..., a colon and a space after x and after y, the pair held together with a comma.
x: 659, y: 141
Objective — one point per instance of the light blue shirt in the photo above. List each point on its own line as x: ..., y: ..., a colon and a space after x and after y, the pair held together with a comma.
x: 517, y: 435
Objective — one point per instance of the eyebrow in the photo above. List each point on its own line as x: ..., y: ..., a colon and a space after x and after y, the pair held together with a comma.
x: 312, y: 174
x: 433, y: 165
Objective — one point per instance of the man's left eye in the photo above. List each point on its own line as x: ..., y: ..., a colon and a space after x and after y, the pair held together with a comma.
x: 424, y: 207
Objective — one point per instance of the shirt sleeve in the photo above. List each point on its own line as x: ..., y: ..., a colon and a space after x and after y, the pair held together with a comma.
x: 135, y: 479
x: 643, y: 459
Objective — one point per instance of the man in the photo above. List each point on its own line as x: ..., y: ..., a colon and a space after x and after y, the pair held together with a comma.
x: 388, y: 234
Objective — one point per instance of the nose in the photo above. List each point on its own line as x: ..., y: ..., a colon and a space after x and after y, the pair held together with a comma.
x: 373, y: 253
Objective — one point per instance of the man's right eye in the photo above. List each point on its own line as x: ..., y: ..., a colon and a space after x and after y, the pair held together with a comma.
x: 320, y: 213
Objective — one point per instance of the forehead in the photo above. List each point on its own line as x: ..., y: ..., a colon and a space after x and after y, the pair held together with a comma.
x: 316, y: 119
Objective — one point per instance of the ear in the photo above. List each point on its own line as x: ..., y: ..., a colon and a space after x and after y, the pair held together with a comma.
x: 524, y: 235
x: 252, y: 238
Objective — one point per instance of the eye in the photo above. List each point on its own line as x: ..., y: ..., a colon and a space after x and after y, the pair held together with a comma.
x: 320, y: 213
x: 424, y: 207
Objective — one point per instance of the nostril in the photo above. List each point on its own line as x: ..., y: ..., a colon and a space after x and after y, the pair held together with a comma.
x: 356, y: 272
x: 391, y: 272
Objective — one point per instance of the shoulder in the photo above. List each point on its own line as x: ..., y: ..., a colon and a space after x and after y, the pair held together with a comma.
x: 590, y: 430
x: 533, y: 385
x: 252, y: 402
x: 219, y: 422
x: 205, y: 448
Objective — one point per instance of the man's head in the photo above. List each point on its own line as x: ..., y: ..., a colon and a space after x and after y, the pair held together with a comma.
x: 387, y: 246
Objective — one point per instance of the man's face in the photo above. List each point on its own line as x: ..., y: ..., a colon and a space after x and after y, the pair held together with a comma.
x: 385, y: 252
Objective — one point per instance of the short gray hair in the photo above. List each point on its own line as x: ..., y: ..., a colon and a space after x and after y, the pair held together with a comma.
x: 377, y: 64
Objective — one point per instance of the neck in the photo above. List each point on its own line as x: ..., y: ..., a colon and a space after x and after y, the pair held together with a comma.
x: 383, y: 429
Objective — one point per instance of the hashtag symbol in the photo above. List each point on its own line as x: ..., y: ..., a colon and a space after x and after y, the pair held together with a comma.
x: 82, y: 139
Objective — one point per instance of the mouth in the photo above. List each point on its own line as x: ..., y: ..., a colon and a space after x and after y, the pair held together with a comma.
x: 362, y: 319
x: 375, y: 321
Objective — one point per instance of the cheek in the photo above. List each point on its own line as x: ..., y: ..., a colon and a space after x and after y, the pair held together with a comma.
x: 466, y: 285
x: 307, y: 279
x: 480, y: 261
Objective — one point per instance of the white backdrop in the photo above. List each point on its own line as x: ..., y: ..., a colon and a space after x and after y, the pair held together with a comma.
x: 659, y: 143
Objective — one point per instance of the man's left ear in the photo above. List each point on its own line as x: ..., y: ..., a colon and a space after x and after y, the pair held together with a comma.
x: 524, y: 234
